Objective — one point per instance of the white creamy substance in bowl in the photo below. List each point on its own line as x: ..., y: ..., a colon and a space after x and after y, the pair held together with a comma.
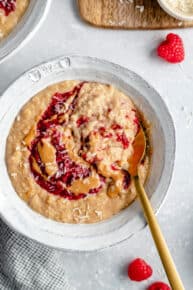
x: 181, y: 6
x: 180, y: 9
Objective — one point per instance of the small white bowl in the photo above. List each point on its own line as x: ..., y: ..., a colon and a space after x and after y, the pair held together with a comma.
x: 174, y: 13
x: 25, y: 29
x: 87, y: 237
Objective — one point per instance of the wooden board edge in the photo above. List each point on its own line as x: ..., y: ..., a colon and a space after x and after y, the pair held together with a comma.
x: 88, y: 21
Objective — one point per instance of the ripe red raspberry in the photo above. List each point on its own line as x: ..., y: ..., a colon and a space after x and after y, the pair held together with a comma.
x: 172, y: 49
x: 139, y: 270
x: 159, y: 286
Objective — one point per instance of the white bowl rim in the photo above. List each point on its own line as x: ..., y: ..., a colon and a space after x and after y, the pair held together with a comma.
x: 47, y: 69
x: 173, y: 13
x: 25, y: 29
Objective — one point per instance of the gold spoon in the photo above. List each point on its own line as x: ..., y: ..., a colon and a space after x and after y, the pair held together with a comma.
x: 139, y: 147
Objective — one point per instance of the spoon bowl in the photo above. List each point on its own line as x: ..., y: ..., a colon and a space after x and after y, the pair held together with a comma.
x: 139, y: 149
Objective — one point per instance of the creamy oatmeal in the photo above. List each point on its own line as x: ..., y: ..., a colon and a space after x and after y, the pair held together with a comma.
x: 11, y: 12
x: 68, y: 150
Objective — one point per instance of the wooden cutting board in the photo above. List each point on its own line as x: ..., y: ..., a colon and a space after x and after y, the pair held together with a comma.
x: 128, y: 14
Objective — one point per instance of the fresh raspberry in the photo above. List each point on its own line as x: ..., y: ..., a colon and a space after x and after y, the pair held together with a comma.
x: 139, y: 270
x: 159, y: 286
x: 172, y: 49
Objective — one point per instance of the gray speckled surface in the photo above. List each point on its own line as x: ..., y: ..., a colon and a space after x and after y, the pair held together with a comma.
x: 134, y: 49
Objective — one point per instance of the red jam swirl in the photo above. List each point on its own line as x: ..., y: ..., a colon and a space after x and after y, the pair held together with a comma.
x: 8, y: 6
x: 68, y: 171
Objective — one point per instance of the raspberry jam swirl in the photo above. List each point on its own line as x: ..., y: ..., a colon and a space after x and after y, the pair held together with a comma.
x: 56, y: 175
x: 73, y: 152
x: 8, y: 6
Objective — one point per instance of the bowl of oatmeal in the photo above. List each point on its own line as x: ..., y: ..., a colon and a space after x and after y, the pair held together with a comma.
x: 75, y: 139
x: 18, y: 21
x: 66, y: 145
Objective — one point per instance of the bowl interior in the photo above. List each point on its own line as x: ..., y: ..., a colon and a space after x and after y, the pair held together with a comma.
x: 80, y: 237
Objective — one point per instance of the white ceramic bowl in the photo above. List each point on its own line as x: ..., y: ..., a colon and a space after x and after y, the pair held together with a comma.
x: 89, y: 237
x: 174, y: 13
x: 25, y: 29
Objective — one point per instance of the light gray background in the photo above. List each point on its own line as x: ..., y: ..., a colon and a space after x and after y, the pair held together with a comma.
x: 64, y: 33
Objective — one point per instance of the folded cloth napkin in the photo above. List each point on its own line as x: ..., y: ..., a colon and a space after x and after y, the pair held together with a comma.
x: 25, y: 264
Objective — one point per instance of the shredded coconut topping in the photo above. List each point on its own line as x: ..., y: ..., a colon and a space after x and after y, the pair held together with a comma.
x: 184, y: 6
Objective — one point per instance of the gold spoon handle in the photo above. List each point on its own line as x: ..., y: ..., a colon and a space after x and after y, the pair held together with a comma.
x: 166, y: 258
